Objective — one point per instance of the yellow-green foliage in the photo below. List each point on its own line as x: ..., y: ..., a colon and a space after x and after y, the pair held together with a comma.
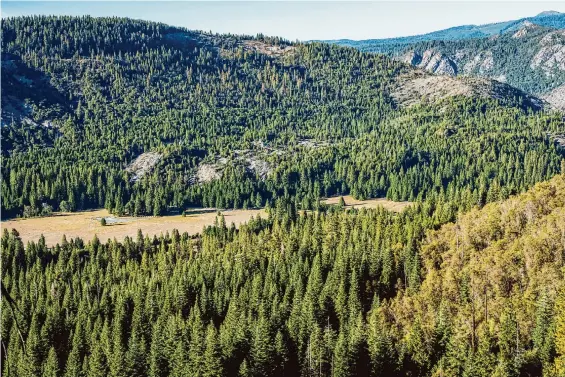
x: 497, y: 269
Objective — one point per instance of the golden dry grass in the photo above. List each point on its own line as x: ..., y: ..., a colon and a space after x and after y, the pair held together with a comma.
x: 85, y: 225
x: 369, y: 203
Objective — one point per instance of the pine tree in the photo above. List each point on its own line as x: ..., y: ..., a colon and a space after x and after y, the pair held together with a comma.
x: 376, y: 338
x: 136, y: 356
x: 543, y: 336
x: 117, y: 355
x: 74, y: 365
x: 261, y: 349
x: 212, y: 354
x: 33, y: 351
x: 341, y: 364
x: 51, y: 365
x: 197, y: 345
x: 560, y: 332
x: 244, y: 369
x: 98, y: 363
x: 281, y: 353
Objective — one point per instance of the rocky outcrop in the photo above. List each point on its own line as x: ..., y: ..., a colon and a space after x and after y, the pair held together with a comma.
x: 556, y: 97
x: 268, y: 49
x: 143, y: 164
x: 551, y: 55
x: 481, y: 63
x: 432, y: 61
x: 527, y: 26
x: 208, y: 173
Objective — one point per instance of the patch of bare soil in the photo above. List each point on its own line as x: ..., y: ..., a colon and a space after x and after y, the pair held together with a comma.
x: 86, y: 224
x: 419, y: 87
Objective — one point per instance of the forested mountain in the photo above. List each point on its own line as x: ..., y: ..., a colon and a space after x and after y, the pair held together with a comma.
x: 357, y: 293
x: 137, y: 116
x: 528, y: 54
x: 550, y: 19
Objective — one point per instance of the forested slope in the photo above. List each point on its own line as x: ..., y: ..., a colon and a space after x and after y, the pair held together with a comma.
x: 367, y: 293
x: 137, y: 116
x: 528, y: 56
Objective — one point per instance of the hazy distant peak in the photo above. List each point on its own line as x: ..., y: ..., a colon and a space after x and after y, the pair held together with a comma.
x: 549, y: 13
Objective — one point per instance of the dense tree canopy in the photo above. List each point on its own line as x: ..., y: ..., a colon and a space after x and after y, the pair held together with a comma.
x: 83, y: 97
x: 311, y: 290
x: 358, y: 293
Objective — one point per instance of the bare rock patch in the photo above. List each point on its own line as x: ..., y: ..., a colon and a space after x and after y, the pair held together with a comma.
x: 143, y: 164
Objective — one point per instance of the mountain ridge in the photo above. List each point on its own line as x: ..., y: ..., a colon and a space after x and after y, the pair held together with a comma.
x: 528, y: 54
x: 553, y: 19
x: 262, y: 118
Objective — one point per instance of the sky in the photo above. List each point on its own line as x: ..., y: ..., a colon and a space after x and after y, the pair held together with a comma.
x: 299, y: 20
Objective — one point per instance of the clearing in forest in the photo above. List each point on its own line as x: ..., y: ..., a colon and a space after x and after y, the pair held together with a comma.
x: 86, y: 224
x: 350, y: 202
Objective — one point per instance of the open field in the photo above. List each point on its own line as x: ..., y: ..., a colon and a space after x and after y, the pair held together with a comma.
x: 369, y: 203
x: 86, y: 224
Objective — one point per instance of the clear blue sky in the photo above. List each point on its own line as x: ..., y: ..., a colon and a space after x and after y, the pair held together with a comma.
x: 298, y: 20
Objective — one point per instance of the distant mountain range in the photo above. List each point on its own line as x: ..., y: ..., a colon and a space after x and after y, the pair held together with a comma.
x: 550, y: 19
x: 528, y: 53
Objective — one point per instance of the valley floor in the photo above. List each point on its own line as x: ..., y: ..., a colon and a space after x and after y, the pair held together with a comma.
x: 86, y: 224
x: 350, y: 202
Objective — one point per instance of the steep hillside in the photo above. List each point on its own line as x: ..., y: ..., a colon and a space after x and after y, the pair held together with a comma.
x: 556, y: 97
x: 490, y: 285
x: 532, y: 58
x: 139, y: 117
x: 528, y: 54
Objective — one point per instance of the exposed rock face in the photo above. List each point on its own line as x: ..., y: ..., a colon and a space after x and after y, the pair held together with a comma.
x: 259, y: 167
x: 553, y: 37
x: 551, y: 55
x: 556, y: 97
x: 482, y: 63
x: 267, y: 49
x: 252, y: 161
x: 431, y: 61
x: 527, y: 26
x: 207, y: 173
x: 560, y: 140
x: 517, y: 57
x: 143, y: 164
